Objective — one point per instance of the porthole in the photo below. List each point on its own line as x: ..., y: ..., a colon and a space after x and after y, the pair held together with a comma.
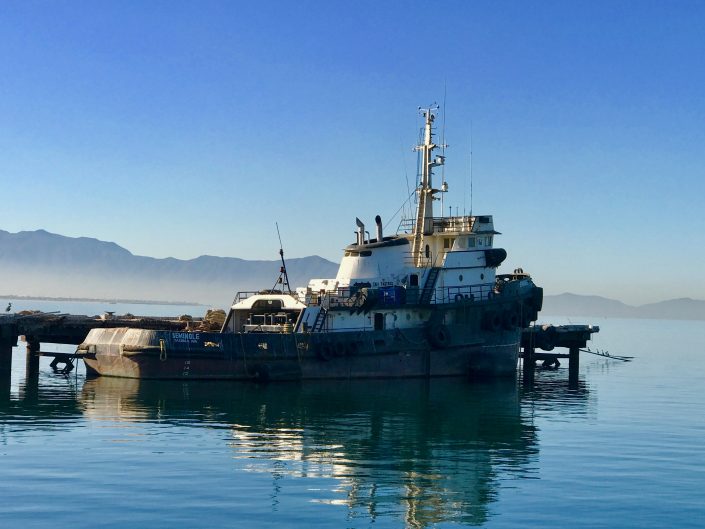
x: 482, y: 276
x: 460, y: 278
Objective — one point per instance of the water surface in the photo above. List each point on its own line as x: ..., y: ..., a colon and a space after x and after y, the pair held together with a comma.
x: 624, y: 449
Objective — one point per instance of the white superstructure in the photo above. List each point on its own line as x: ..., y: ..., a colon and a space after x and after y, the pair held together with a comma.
x: 431, y: 260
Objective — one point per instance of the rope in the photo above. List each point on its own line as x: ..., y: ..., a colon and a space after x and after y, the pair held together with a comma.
x: 400, y: 208
x: 606, y: 354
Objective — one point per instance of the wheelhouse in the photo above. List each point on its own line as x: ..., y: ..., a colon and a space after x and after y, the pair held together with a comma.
x: 263, y: 313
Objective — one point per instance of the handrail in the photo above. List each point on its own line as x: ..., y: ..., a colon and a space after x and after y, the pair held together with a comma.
x: 353, y: 298
x: 356, y: 297
x: 248, y: 293
x: 463, y: 223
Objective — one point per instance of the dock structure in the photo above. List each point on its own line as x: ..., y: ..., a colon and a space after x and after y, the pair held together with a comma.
x: 547, y: 338
x: 40, y: 327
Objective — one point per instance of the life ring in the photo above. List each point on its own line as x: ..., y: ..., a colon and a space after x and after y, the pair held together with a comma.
x: 351, y: 348
x: 439, y: 336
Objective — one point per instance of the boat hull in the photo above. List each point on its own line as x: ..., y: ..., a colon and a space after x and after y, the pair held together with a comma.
x: 137, y: 353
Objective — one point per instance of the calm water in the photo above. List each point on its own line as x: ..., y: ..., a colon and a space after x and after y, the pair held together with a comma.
x: 625, y: 449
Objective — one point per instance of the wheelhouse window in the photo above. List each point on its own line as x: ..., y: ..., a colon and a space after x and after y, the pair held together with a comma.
x: 268, y: 304
x: 471, y: 242
x: 358, y: 253
x: 448, y: 242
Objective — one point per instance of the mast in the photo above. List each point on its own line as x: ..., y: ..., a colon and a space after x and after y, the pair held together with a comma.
x: 424, y: 214
x: 283, y: 275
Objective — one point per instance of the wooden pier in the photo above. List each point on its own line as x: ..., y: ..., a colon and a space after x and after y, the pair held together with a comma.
x: 49, y: 328
x: 547, y: 338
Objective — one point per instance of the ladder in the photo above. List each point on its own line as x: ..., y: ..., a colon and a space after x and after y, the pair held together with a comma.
x: 429, y: 286
x: 319, y: 321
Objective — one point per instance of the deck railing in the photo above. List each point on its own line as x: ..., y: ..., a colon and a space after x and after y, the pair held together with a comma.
x: 246, y: 294
x: 441, y: 224
x: 364, y: 298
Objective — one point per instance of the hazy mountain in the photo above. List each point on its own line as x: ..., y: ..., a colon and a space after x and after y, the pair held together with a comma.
x: 680, y: 309
x: 38, y: 263
x: 576, y: 305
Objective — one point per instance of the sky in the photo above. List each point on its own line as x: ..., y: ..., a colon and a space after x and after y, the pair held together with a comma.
x: 189, y: 128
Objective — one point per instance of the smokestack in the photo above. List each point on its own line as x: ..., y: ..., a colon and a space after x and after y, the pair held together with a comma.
x: 378, y: 221
x: 360, y: 232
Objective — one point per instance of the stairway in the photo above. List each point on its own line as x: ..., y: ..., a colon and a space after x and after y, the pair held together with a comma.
x: 319, y: 321
x: 429, y: 286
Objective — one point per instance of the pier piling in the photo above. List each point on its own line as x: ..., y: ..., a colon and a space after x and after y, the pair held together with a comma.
x: 573, y: 366
x: 528, y: 365
x: 7, y: 342
x: 32, y: 366
x: 549, y: 337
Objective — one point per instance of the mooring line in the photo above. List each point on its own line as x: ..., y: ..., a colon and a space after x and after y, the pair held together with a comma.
x: 606, y: 354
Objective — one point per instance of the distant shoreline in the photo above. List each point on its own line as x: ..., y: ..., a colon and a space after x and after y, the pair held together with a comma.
x: 99, y: 300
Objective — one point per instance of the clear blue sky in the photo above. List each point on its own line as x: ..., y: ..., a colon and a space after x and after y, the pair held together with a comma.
x: 188, y: 128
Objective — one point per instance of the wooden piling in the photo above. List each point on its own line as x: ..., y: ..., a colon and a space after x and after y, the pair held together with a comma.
x: 528, y: 365
x: 573, y: 366
x: 32, y: 366
x: 5, y: 370
x: 8, y: 339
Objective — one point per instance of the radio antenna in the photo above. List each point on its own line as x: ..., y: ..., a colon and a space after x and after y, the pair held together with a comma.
x: 471, y: 168
x: 443, y: 146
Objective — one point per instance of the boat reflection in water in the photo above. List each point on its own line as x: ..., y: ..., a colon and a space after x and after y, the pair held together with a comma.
x: 425, y: 451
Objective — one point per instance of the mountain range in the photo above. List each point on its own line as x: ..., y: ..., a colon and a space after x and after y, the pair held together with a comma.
x: 39, y: 263
x: 577, y: 305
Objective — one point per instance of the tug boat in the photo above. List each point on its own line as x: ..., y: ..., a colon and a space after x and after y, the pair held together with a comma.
x: 424, y: 302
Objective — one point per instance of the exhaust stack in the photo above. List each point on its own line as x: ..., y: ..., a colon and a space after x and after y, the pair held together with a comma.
x: 360, y: 232
x: 378, y: 221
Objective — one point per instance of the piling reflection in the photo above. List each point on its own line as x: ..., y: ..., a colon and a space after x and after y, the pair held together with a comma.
x: 426, y: 451
x: 40, y: 408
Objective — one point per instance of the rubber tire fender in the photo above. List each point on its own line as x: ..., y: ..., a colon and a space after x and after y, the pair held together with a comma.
x: 439, y: 336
